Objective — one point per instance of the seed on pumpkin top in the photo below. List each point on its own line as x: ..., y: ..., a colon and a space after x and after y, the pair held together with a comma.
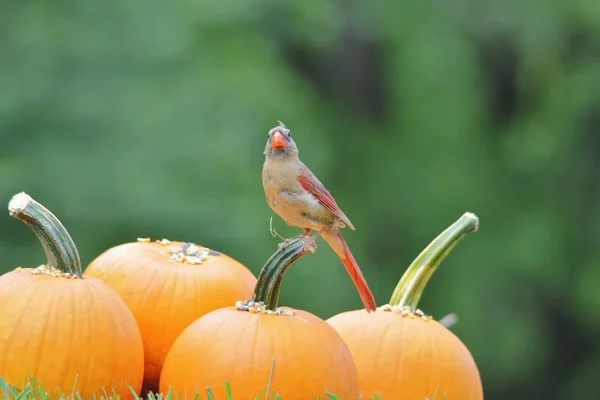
x: 184, y: 246
x: 143, y: 239
x: 188, y: 253
x: 193, y: 260
x: 192, y: 249
x: 178, y: 257
x: 50, y: 271
x: 164, y: 242
x: 18, y: 269
x: 260, y: 308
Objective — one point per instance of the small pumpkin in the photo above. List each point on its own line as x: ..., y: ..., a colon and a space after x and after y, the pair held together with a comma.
x: 256, y: 342
x: 404, y: 354
x: 63, y: 328
x: 168, y: 285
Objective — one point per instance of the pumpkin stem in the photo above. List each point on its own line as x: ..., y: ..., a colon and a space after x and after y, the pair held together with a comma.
x: 269, y: 280
x: 411, y: 285
x: 60, y: 249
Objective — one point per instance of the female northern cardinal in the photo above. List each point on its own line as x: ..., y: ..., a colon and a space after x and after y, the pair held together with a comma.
x: 300, y: 199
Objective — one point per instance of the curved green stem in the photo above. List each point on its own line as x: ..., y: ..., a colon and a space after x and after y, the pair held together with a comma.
x: 60, y: 249
x: 270, y: 278
x: 411, y: 285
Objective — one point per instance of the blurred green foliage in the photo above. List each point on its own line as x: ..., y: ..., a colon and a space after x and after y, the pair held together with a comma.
x: 149, y: 118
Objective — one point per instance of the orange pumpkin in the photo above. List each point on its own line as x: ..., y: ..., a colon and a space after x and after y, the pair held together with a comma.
x: 168, y: 285
x: 404, y: 354
x: 60, y: 327
x: 241, y: 344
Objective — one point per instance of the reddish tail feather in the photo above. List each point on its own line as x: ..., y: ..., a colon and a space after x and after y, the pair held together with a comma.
x: 338, y: 244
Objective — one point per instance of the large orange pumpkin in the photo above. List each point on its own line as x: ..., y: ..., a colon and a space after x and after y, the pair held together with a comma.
x: 404, y: 354
x: 168, y: 285
x: 241, y: 344
x: 63, y: 328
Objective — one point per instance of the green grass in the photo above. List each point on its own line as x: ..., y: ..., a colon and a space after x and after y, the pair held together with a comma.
x: 35, y: 391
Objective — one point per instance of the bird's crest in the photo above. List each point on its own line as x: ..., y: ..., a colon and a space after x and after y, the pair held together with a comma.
x: 281, y: 124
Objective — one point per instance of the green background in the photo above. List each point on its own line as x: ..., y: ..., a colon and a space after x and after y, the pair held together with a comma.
x: 149, y: 118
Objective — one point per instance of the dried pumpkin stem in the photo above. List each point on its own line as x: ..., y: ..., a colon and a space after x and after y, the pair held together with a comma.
x: 411, y: 285
x: 270, y: 278
x: 60, y: 249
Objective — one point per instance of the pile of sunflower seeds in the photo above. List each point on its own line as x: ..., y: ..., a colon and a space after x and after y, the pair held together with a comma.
x: 186, y: 253
x: 51, y: 271
x: 189, y: 253
x: 259, y: 307
x: 405, y: 311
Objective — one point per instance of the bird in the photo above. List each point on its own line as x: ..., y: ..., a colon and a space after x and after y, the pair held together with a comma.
x: 296, y: 195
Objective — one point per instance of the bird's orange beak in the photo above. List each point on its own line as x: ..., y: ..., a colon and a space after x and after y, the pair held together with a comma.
x: 278, y: 141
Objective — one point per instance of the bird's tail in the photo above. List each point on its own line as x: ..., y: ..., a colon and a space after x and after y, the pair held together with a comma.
x: 338, y: 244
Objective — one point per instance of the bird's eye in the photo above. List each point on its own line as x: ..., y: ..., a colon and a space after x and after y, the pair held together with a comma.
x: 289, y: 134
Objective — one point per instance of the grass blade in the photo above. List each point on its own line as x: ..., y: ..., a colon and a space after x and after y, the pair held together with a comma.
x: 4, y: 388
x: 228, y: 391
x: 436, y: 392
x: 135, y: 395
x: 270, y: 378
x: 259, y: 395
x: 74, y: 387
x: 209, y: 394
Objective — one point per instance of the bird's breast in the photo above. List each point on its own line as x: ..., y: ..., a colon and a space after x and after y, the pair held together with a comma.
x: 298, y: 207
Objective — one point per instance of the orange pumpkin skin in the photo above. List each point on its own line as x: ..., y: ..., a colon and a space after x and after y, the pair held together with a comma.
x: 57, y: 329
x: 165, y: 296
x: 406, y: 358
x: 238, y: 347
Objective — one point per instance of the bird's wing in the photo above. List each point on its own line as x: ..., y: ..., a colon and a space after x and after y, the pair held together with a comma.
x: 311, y: 184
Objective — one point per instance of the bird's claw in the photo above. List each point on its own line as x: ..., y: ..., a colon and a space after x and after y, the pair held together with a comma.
x: 310, y: 244
x: 305, y: 234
